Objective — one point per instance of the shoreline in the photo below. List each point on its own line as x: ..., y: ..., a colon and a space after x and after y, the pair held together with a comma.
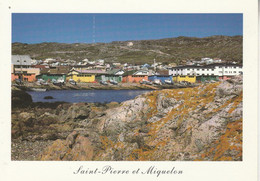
x: 28, y: 86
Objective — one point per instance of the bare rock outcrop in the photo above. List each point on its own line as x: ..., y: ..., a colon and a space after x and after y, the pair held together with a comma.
x: 202, y: 123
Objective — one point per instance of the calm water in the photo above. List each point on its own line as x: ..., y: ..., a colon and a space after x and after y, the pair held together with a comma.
x: 75, y: 96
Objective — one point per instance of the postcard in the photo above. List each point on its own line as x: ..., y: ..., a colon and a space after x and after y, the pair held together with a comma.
x: 129, y: 90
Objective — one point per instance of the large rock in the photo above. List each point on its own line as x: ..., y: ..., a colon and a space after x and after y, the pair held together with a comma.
x: 20, y: 98
x: 75, y: 147
x: 202, y: 123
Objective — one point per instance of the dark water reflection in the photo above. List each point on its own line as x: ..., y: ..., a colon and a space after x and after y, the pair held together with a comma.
x: 75, y: 96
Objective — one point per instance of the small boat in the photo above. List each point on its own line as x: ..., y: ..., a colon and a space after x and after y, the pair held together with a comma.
x: 38, y: 89
x: 58, y: 82
x: 72, y: 82
x: 41, y: 82
x: 103, y: 82
x: 146, y: 82
x: 157, y: 82
x: 18, y: 81
x: 113, y: 82
x: 44, y: 83
x: 168, y: 81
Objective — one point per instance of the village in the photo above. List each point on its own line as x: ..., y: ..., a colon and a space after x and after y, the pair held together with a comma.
x: 27, y: 71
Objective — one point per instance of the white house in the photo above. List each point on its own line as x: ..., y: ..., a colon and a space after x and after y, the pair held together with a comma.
x: 208, y: 70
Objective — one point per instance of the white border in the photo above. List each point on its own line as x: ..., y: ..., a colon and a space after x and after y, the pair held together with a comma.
x: 239, y: 171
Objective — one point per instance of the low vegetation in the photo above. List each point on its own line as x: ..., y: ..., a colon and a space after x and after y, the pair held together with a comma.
x: 170, y: 50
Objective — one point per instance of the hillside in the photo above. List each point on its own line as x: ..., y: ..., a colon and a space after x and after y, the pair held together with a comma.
x: 163, y: 50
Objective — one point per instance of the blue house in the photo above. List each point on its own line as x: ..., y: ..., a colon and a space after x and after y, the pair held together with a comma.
x: 162, y: 78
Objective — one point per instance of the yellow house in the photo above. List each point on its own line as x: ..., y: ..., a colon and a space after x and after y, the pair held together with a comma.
x: 83, y: 75
x: 187, y: 78
x: 80, y: 76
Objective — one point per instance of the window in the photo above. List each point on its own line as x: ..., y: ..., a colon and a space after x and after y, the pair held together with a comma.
x: 226, y: 71
x: 235, y: 72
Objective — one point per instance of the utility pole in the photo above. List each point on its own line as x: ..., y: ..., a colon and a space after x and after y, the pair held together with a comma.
x: 94, y: 29
x: 21, y: 69
x: 154, y: 65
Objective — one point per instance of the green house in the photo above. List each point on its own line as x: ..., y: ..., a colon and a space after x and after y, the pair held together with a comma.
x: 115, y: 75
x: 206, y: 78
x: 108, y: 77
x: 54, y: 74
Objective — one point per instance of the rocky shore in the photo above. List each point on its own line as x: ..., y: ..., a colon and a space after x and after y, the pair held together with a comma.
x: 97, y: 86
x: 200, y: 123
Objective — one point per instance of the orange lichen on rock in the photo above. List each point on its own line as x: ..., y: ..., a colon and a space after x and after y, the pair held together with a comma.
x: 236, y: 101
x: 229, y: 146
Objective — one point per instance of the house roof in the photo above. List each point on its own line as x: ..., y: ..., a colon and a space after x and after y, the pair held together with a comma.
x: 58, y: 71
x: 131, y: 72
x: 90, y: 71
x: 44, y: 70
x: 21, y: 60
x: 39, y: 66
x: 113, y: 71
x: 163, y: 72
x: 207, y: 66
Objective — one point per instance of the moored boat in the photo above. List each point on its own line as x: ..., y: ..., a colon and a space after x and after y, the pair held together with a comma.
x: 113, y: 82
x: 168, y: 81
x: 38, y: 89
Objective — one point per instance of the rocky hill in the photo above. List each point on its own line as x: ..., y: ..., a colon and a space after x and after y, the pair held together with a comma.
x: 175, y: 50
x: 202, y: 123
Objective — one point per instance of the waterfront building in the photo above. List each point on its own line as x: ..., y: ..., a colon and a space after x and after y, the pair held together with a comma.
x: 136, y: 76
x: 219, y: 70
x: 84, y: 75
x: 184, y: 78
x: 54, y: 73
x: 206, y: 78
x: 162, y: 78
x: 21, y: 68
x: 114, y: 75
x: 160, y: 75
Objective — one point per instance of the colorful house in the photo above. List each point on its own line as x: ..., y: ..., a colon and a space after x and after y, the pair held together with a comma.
x: 108, y: 77
x: 184, y: 78
x: 135, y: 76
x: 162, y: 78
x: 206, y: 78
x: 115, y: 75
x: 84, y: 75
x: 24, y: 76
x: 21, y: 68
x: 57, y: 73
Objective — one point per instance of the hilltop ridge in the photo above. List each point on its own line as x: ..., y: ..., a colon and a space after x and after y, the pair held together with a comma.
x: 228, y: 48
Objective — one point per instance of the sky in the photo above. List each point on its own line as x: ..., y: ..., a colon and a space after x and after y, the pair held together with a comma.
x: 92, y: 28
